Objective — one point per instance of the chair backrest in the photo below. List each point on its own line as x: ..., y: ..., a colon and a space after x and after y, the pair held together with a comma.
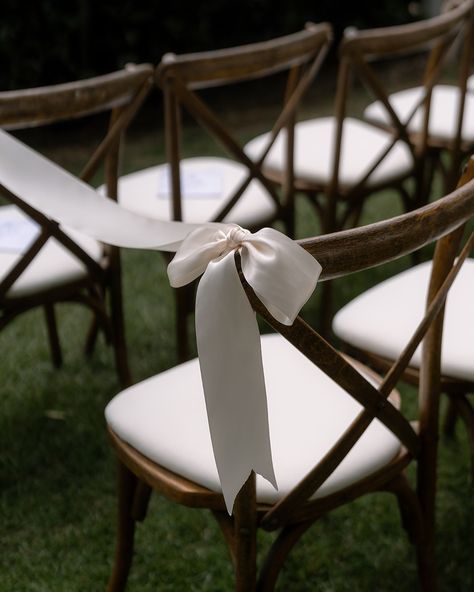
x: 359, y: 50
x: 120, y: 94
x: 343, y: 253
x: 181, y: 77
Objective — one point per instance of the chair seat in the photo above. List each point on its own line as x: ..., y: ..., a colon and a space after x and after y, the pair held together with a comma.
x: 470, y: 83
x: 164, y: 418
x: 443, y: 112
x: 382, y: 319
x: 54, y: 265
x: 206, y: 183
x: 362, y: 144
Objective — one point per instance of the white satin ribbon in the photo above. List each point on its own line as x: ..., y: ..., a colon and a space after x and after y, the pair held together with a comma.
x: 283, y: 275
x: 62, y: 197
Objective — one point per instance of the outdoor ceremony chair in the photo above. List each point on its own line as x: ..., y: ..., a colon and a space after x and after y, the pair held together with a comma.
x: 336, y: 428
x: 446, y: 109
x: 229, y: 187
x: 339, y: 161
x: 377, y: 339
x: 42, y: 263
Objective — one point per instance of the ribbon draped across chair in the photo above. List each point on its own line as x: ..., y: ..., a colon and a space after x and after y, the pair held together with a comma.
x: 282, y: 274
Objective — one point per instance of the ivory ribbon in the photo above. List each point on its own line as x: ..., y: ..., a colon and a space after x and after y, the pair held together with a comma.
x: 62, y: 197
x: 282, y: 274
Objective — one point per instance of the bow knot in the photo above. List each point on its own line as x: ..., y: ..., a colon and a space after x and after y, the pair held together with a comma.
x: 235, y: 237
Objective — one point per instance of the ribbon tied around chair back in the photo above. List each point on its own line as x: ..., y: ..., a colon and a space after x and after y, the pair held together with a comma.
x: 281, y: 273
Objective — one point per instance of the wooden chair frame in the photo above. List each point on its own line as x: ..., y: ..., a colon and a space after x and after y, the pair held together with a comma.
x: 338, y: 206
x: 426, y: 147
x: 340, y: 254
x: 182, y: 77
x: 121, y: 93
x: 357, y: 52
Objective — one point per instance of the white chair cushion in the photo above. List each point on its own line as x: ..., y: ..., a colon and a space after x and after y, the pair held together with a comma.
x: 206, y: 183
x: 52, y: 267
x: 470, y: 83
x: 383, y: 319
x: 165, y: 419
x: 443, y: 111
x: 362, y: 145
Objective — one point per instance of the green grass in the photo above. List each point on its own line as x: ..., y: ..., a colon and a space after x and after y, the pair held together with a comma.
x: 57, y: 471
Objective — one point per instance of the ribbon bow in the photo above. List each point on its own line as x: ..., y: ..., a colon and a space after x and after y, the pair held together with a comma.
x: 283, y: 276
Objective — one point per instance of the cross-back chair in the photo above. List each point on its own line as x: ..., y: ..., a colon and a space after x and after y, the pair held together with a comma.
x: 337, y: 429
x: 339, y: 161
x: 369, y: 335
x: 231, y: 188
x: 42, y: 263
x: 443, y: 113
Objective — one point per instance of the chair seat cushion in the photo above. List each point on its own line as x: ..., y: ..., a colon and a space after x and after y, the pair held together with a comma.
x: 362, y: 145
x: 470, y: 83
x: 382, y: 319
x: 206, y: 184
x: 54, y: 265
x: 443, y: 112
x: 165, y: 419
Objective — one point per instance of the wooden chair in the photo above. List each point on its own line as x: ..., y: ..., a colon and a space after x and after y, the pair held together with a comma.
x: 230, y: 189
x: 41, y: 263
x: 377, y: 339
x: 446, y: 109
x: 340, y: 161
x: 336, y: 428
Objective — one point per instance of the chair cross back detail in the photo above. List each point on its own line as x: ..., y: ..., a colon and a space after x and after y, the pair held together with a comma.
x: 359, y: 48
x: 180, y: 77
x: 120, y: 94
x: 383, y: 242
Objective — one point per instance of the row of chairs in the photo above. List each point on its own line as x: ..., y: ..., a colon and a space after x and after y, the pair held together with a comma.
x: 332, y: 437
x: 367, y: 441
x: 338, y: 161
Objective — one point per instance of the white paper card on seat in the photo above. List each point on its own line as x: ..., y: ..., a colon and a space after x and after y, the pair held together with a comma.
x: 16, y: 234
x: 196, y: 183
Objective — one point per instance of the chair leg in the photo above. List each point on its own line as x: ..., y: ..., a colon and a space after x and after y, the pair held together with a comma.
x: 450, y: 418
x: 326, y: 310
x: 426, y: 493
x: 127, y: 486
x: 425, y: 551
x: 53, y: 336
x: 279, y: 551
x: 118, y: 328
x: 245, y: 535
x: 418, y: 520
x: 140, y: 501
x: 409, y: 507
x: 466, y: 412
x: 92, y: 335
x: 184, y: 305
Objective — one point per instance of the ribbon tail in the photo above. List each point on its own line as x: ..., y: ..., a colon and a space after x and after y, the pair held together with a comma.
x: 233, y: 378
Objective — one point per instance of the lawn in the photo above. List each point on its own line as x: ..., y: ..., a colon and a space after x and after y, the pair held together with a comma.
x: 57, y: 471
